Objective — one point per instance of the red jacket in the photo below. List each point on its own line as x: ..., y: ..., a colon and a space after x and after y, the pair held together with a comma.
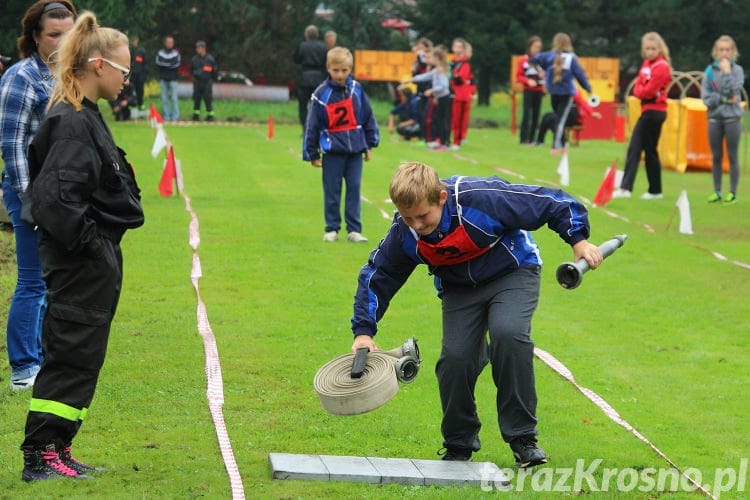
x: 651, y: 85
x: 526, y: 72
x: 461, y: 79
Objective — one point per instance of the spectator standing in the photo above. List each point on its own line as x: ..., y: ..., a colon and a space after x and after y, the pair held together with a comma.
x: 83, y: 197
x: 561, y: 68
x: 721, y: 91
x: 138, y: 71
x: 463, y: 90
x: 330, y: 39
x: 421, y: 49
x: 531, y: 76
x: 168, y: 61
x: 24, y: 93
x: 311, y: 57
x: 440, y: 93
x: 342, y: 128
x: 203, y: 69
x: 650, y: 87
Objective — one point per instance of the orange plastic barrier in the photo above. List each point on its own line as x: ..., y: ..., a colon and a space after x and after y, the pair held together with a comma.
x: 683, y: 142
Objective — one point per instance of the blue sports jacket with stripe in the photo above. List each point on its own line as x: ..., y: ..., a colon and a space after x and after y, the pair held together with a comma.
x: 494, y: 213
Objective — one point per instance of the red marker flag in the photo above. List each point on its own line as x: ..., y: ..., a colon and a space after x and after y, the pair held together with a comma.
x: 604, y: 194
x: 169, y: 174
x: 270, y: 126
x: 154, y: 117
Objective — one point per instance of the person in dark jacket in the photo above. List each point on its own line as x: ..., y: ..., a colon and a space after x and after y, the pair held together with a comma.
x: 82, y: 196
x: 474, y: 235
x: 311, y: 56
x: 168, y: 61
x: 203, y: 69
x: 341, y: 126
x: 138, y: 70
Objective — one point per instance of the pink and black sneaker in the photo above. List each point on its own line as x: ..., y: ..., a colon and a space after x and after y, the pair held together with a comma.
x: 77, y: 465
x: 42, y: 464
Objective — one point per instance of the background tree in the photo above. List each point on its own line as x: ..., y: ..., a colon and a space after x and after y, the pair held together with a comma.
x: 258, y: 38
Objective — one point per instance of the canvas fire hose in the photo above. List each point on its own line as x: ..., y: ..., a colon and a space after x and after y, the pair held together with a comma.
x: 357, y: 383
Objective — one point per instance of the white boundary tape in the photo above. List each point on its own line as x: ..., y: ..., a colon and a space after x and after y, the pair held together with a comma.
x: 215, y: 385
x: 609, y: 411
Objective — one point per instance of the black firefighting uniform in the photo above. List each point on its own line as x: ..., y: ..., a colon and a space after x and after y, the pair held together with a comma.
x: 82, y: 196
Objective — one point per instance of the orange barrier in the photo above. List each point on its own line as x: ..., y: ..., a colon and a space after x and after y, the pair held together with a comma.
x: 683, y: 142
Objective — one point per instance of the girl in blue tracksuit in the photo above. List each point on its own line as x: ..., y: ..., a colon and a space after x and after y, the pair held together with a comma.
x: 561, y: 67
x: 473, y: 233
x: 340, y: 126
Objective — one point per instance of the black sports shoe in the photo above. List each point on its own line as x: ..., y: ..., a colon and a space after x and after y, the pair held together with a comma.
x: 527, y: 452
x: 42, y: 464
x: 77, y: 465
x: 455, y: 454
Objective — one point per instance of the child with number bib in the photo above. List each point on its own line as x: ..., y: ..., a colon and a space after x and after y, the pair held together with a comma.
x: 341, y: 127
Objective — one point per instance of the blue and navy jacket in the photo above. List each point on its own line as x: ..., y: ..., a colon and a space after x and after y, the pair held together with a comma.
x: 495, y: 213
x: 571, y: 69
x: 337, y: 124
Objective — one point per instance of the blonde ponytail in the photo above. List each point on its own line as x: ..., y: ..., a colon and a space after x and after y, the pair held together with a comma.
x: 84, y: 40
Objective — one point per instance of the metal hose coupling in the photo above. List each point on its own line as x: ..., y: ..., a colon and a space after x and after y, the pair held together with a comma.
x: 357, y: 383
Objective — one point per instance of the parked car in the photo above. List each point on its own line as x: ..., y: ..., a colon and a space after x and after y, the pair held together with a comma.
x: 233, y: 77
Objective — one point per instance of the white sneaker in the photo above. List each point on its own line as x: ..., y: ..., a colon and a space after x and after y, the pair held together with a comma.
x: 331, y: 236
x: 621, y: 193
x: 649, y: 196
x: 356, y: 237
x: 22, y: 384
x: 432, y: 144
x: 455, y: 147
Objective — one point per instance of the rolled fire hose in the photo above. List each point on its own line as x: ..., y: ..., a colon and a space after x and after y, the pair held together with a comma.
x: 341, y: 394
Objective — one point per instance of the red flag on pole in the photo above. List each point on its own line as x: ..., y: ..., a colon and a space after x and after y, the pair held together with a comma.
x: 604, y: 194
x: 154, y: 116
x: 270, y: 126
x: 169, y: 174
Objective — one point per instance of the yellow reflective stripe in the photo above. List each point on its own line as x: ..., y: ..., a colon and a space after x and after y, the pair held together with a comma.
x: 56, y: 408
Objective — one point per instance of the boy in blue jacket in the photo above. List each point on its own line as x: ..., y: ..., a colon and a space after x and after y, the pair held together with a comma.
x: 474, y: 234
x: 340, y: 126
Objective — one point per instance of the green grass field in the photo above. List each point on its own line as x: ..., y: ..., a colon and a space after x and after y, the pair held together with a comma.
x: 660, y: 331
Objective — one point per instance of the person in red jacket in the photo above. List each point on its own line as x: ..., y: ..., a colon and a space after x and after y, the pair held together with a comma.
x: 531, y: 76
x: 463, y: 90
x: 651, y: 88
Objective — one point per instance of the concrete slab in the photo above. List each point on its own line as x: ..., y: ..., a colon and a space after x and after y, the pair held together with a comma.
x: 375, y: 470
x: 352, y: 469
x: 397, y: 471
x: 292, y: 466
x: 447, y: 473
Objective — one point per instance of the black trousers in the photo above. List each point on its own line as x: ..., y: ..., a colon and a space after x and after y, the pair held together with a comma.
x: 502, y: 308
x: 139, y: 81
x: 203, y: 91
x: 645, y: 137
x: 532, y: 104
x: 303, y: 99
x: 82, y: 295
x: 441, y: 120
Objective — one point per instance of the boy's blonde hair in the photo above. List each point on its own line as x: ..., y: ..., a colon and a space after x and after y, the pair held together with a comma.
x: 440, y: 58
x: 413, y: 183
x: 725, y: 38
x: 339, y: 55
x: 653, y: 36
x: 84, y: 40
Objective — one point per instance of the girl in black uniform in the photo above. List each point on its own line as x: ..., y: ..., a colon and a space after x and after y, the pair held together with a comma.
x: 82, y: 196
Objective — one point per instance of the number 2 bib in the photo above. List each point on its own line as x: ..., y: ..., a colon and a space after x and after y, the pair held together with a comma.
x: 341, y: 116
